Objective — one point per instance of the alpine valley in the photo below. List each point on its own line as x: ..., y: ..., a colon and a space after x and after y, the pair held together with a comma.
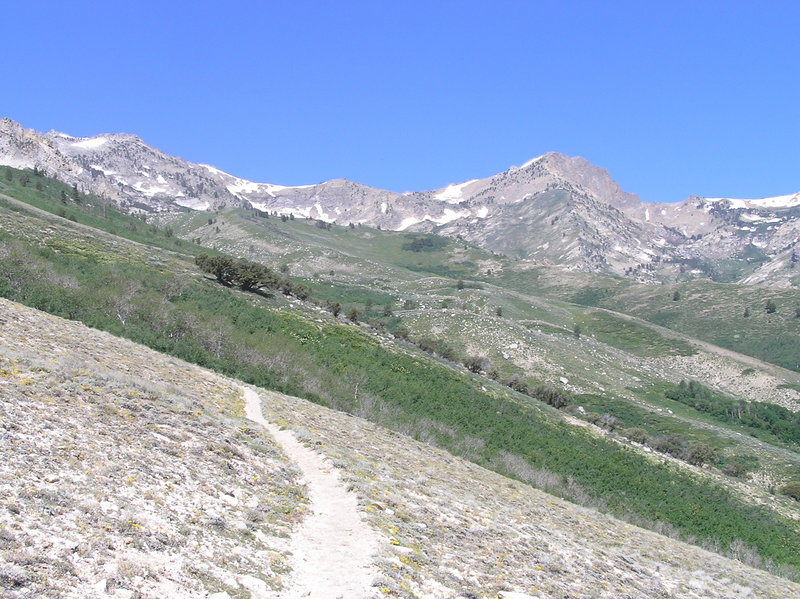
x: 533, y: 385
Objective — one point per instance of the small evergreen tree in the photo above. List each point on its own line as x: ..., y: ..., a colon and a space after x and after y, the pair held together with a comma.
x: 771, y: 307
x: 676, y: 296
x: 746, y: 312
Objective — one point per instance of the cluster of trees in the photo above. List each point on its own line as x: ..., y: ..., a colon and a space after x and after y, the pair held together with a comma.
x: 250, y: 276
x: 546, y: 393
x: 674, y: 445
x: 759, y: 416
x: 424, y: 243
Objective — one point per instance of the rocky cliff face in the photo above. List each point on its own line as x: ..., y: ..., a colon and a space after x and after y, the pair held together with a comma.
x: 553, y: 209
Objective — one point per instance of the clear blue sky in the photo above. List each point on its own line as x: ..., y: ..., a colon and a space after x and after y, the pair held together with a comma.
x: 673, y: 97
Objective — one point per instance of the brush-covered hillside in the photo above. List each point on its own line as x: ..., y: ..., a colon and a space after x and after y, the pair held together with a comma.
x: 530, y: 374
x: 128, y: 473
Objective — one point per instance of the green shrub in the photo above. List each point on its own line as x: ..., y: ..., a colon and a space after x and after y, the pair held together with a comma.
x: 699, y: 454
x: 551, y: 396
x: 636, y: 435
x: 739, y: 465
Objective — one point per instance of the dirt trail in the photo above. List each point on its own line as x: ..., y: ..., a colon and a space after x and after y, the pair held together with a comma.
x: 333, y: 548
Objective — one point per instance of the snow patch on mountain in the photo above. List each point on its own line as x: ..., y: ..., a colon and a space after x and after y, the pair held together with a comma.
x: 106, y: 171
x: 751, y: 218
x: 149, y: 189
x: 407, y: 222
x: 532, y: 161
x: 447, y: 216
x: 91, y: 143
x: 453, y: 193
x: 322, y: 215
x: 785, y: 201
x: 193, y: 203
x: 216, y: 171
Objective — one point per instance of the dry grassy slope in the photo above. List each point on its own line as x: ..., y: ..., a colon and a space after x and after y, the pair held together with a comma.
x: 129, y: 473
x: 126, y: 473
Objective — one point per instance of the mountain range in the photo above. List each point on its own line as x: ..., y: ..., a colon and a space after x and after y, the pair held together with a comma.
x: 553, y: 209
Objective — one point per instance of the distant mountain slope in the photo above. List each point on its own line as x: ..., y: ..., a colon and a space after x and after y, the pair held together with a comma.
x: 175, y: 494
x: 553, y: 209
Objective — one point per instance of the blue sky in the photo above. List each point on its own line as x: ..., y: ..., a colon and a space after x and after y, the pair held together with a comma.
x: 673, y: 98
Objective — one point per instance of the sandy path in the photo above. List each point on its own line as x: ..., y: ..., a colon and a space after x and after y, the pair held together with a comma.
x: 332, y: 549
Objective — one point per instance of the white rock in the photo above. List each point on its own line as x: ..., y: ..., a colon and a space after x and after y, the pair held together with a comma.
x: 231, y: 582
x: 229, y: 499
x: 220, y: 595
x: 255, y: 585
x: 563, y: 380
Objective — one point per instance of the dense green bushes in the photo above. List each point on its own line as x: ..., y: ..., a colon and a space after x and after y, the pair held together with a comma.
x: 777, y: 420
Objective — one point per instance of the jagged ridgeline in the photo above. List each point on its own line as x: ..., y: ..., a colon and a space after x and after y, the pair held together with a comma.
x: 430, y: 340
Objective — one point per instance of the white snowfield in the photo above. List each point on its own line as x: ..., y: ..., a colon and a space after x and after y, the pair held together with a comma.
x: 453, y: 193
x: 785, y: 201
x: 447, y: 216
x: 91, y: 143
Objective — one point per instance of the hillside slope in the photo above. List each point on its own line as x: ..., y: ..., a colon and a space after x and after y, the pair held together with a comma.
x: 139, y: 290
x: 174, y: 492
